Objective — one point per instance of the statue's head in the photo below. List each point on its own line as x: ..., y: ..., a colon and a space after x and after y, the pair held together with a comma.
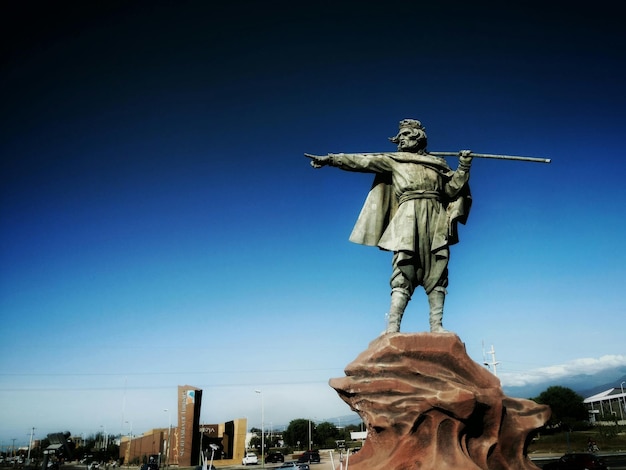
x: 411, y: 136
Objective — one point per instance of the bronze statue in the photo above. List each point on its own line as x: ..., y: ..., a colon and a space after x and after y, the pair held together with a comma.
x: 413, y: 210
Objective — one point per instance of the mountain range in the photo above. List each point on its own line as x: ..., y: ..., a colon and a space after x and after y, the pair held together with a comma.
x: 585, y: 385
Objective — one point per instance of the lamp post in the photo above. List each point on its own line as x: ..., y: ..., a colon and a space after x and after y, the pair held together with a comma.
x: 30, y: 444
x: 169, y: 433
x: 130, y: 441
x: 623, y: 407
x: 310, y: 444
x: 262, y: 429
x: 104, y: 437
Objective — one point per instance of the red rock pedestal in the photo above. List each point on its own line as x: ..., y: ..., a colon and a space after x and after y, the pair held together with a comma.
x: 427, y: 405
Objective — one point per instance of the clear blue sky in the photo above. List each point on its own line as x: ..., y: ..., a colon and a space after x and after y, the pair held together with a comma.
x: 160, y: 225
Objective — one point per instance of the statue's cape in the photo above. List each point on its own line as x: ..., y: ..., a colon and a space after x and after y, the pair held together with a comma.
x: 381, y: 204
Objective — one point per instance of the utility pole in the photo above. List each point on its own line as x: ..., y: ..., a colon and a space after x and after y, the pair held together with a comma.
x: 262, y: 428
x: 622, y: 408
x: 30, y: 444
x: 493, y: 362
x: 169, y: 433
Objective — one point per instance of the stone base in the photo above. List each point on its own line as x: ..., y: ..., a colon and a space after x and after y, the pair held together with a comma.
x: 427, y: 405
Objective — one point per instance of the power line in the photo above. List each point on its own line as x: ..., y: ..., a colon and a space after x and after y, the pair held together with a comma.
x: 153, y: 387
x: 124, y: 374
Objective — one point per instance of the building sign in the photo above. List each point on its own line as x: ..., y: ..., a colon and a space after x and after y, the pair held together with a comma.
x: 187, y: 437
x: 210, y: 430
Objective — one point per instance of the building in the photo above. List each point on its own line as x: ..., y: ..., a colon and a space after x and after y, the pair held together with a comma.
x: 138, y: 448
x: 607, y: 407
x: 228, y: 437
x: 182, y: 445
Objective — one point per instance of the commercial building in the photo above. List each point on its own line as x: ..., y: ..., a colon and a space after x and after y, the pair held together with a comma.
x: 184, y: 444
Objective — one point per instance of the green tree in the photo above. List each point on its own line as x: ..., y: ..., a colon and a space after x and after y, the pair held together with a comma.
x: 297, y: 433
x: 326, y: 434
x: 345, y: 432
x: 255, y: 442
x: 566, y: 405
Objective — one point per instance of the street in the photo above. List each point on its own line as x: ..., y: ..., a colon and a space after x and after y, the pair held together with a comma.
x: 615, y: 461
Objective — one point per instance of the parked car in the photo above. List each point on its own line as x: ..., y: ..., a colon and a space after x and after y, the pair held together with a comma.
x: 250, y: 459
x: 577, y: 461
x: 310, y: 456
x: 295, y: 466
x: 274, y: 457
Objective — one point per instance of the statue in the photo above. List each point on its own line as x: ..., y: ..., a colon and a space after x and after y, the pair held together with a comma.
x: 413, y: 210
x: 424, y: 402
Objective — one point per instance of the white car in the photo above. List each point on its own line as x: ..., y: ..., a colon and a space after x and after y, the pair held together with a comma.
x: 250, y: 459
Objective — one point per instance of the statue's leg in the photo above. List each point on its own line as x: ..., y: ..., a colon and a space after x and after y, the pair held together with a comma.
x: 436, y: 299
x: 402, y: 287
x: 399, y: 301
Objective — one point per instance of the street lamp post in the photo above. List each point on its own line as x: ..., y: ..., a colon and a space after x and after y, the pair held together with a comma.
x: 623, y: 407
x: 30, y: 444
x: 169, y: 433
x: 130, y: 441
x: 105, y: 440
x: 262, y: 429
x: 310, y: 444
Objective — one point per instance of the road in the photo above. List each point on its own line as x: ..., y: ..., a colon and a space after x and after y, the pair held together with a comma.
x: 615, y: 461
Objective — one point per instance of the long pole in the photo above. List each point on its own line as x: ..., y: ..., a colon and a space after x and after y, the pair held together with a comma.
x: 169, y: 433
x: 130, y: 441
x: 491, y: 155
x: 104, y: 436
x: 435, y: 154
x: 621, y: 386
x: 30, y: 444
x: 262, y: 429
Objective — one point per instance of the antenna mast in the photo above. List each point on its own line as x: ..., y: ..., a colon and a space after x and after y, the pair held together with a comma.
x: 493, y: 362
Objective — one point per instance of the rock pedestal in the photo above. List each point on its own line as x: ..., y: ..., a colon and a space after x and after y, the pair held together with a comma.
x: 427, y: 405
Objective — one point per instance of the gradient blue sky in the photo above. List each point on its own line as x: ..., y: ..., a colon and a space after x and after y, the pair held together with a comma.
x: 160, y: 225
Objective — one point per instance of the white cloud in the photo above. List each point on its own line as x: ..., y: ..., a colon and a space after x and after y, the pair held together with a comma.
x: 583, y: 366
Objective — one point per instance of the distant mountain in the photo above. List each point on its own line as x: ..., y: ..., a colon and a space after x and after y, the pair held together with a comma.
x: 601, y: 388
x: 583, y: 384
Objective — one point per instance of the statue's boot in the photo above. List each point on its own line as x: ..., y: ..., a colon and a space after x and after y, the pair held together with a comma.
x: 436, y: 300
x: 399, y: 301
